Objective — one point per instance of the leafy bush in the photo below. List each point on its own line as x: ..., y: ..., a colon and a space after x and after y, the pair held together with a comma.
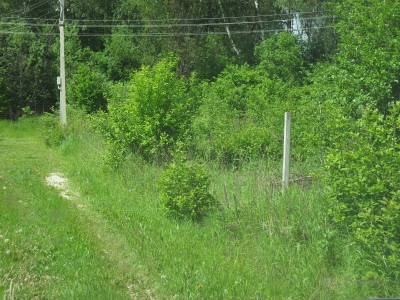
x: 185, y: 191
x: 365, y: 179
x: 53, y: 133
x: 241, y: 116
x: 86, y: 89
x: 151, y: 113
x: 281, y: 57
x: 365, y: 71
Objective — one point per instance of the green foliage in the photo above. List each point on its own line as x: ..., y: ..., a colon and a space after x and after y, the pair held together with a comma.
x: 26, y: 77
x: 281, y: 57
x: 121, y: 55
x: 53, y: 133
x: 185, y: 192
x: 364, y: 177
x: 365, y: 71
x: 56, y: 135
x: 151, y: 113
x: 86, y: 89
x: 220, y: 126
x: 241, y: 116
x: 211, y: 57
x: 272, y: 236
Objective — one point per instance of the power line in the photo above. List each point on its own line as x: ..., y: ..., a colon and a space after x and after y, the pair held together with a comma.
x: 171, y: 34
x: 196, y: 33
x: 37, y: 5
x: 28, y: 24
x: 166, y: 25
x: 46, y: 14
x: 161, y: 34
x: 22, y: 10
x: 31, y: 8
x: 193, y: 24
x: 165, y: 20
x: 21, y: 18
x: 196, y: 19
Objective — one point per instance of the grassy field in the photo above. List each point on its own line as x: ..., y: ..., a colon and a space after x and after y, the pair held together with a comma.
x: 114, y: 242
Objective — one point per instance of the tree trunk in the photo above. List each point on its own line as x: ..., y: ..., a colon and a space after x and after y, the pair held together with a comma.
x: 228, y: 31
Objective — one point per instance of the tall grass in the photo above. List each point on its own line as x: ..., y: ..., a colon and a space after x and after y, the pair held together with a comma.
x: 259, y: 243
x: 46, y: 252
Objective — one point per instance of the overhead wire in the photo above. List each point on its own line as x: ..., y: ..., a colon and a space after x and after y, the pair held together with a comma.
x: 168, y: 25
x: 238, y: 20
x: 37, y: 5
x: 197, y: 19
x: 165, y: 20
x: 44, y: 13
x: 23, y: 19
x: 163, y: 34
x: 49, y: 13
x: 171, y: 34
x: 30, y: 8
x: 20, y: 10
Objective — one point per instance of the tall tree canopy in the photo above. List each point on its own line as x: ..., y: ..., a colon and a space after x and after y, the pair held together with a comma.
x: 119, y: 36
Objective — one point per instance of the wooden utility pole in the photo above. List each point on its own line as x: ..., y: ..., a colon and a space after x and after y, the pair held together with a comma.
x: 63, y: 100
x: 286, y: 152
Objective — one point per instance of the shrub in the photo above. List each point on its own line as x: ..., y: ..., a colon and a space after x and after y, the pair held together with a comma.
x: 281, y: 57
x: 54, y: 134
x: 365, y: 70
x: 365, y: 180
x: 240, y: 117
x: 86, y: 89
x: 185, y: 192
x: 151, y: 113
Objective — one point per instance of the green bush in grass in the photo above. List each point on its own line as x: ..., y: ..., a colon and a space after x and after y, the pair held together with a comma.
x: 241, y: 116
x: 282, y: 57
x: 150, y: 114
x: 185, y: 192
x: 53, y: 133
x: 365, y: 180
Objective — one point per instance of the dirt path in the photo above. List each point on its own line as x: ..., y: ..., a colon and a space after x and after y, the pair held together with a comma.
x: 114, y: 245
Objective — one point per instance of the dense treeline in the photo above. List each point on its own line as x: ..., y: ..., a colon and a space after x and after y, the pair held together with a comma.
x: 222, y: 97
x: 118, y: 55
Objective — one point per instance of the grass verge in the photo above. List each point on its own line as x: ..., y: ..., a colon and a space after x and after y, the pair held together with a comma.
x: 260, y: 244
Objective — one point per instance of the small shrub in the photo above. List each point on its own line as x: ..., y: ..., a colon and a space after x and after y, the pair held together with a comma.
x: 281, y: 56
x: 53, y: 132
x: 86, y: 89
x: 242, y: 145
x: 240, y: 117
x: 185, y: 191
x: 364, y: 178
x: 150, y: 114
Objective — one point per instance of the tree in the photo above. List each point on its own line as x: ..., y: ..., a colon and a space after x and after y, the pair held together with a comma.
x: 26, y: 77
x: 365, y: 71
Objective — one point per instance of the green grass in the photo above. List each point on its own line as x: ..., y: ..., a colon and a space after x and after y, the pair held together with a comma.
x: 261, y: 244
x: 46, y: 249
